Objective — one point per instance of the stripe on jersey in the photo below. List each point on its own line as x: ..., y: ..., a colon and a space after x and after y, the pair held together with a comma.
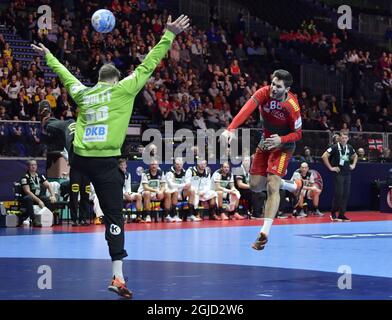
x: 294, y: 104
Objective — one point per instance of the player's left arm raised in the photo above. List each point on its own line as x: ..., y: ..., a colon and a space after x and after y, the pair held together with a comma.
x: 136, y: 81
x: 71, y: 83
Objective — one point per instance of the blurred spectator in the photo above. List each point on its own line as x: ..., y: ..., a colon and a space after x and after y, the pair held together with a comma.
x: 361, y: 155
x: 344, y: 128
x: 385, y: 156
x: 199, y: 121
x: 357, y: 127
x: 307, y: 157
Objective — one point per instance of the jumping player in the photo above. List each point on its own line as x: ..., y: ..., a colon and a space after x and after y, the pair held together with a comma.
x: 282, y: 124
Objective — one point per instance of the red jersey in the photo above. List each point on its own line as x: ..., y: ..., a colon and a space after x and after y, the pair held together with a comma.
x: 281, y: 118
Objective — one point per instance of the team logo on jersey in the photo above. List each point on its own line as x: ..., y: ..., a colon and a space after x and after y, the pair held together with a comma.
x: 278, y: 114
x: 298, y: 123
x: 96, y: 133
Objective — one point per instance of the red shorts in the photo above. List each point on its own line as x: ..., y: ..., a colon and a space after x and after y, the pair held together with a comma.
x: 273, y: 161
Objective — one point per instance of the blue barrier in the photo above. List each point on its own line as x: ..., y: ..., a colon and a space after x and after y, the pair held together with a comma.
x: 361, y: 188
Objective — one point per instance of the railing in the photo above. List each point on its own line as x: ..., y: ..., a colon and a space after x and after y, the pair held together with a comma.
x: 321, y: 80
x: 23, y: 139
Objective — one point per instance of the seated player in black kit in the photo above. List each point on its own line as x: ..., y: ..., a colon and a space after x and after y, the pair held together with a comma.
x: 60, y: 133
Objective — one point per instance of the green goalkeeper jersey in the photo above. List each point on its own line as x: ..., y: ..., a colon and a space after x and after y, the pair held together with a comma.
x: 105, y: 109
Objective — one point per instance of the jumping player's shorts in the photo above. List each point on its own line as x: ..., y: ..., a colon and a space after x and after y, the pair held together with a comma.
x: 272, y: 161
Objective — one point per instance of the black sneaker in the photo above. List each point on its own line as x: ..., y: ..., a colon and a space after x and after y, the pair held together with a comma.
x: 281, y: 215
x: 333, y: 217
x: 343, y: 218
x: 260, y: 242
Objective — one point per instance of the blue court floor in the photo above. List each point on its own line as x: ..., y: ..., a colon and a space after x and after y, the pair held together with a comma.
x: 301, y: 261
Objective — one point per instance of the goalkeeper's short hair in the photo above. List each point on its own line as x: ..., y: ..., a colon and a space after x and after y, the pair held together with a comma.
x: 108, y: 72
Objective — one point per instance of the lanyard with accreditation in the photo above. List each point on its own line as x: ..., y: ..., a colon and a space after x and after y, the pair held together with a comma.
x: 343, y: 156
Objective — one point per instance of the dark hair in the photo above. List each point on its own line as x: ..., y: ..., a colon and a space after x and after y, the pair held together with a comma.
x: 108, y: 72
x: 122, y: 160
x: 44, y: 108
x: 283, y: 75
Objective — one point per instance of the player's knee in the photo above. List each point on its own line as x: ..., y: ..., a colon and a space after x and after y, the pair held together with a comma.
x: 146, y: 195
x: 257, y: 183
x: 273, y: 184
x: 160, y: 196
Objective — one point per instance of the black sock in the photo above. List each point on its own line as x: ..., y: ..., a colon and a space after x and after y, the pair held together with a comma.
x: 192, y: 210
x: 173, y: 211
x: 213, y: 210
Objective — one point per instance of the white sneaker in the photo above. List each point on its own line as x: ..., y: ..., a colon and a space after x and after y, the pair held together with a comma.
x: 27, y: 222
x: 193, y: 218
x: 302, y: 214
x: 177, y: 219
x: 148, y: 218
x: 169, y: 219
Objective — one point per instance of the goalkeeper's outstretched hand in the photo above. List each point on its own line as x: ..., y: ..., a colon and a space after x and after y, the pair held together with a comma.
x: 41, y: 49
x: 178, y: 26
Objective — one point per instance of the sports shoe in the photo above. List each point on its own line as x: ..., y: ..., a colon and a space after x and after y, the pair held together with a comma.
x: 139, y: 220
x: 216, y: 217
x: 177, y: 219
x: 281, y: 215
x: 300, y: 185
x: 237, y: 216
x: 97, y: 221
x: 224, y: 217
x: 333, y: 217
x: 120, y: 288
x: 169, y: 219
x: 318, y: 213
x: 260, y: 242
x: 301, y: 214
x: 343, y: 218
x: 193, y: 218
x: 84, y: 223
x: 148, y: 219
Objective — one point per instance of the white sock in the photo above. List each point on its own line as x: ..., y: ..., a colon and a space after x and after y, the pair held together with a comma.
x: 117, y: 269
x: 288, y: 185
x: 266, y: 226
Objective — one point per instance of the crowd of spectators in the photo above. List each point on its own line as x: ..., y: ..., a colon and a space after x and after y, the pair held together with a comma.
x: 203, y: 82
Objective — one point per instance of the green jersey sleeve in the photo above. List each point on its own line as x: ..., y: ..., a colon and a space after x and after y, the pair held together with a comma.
x: 136, y: 81
x: 71, y: 83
